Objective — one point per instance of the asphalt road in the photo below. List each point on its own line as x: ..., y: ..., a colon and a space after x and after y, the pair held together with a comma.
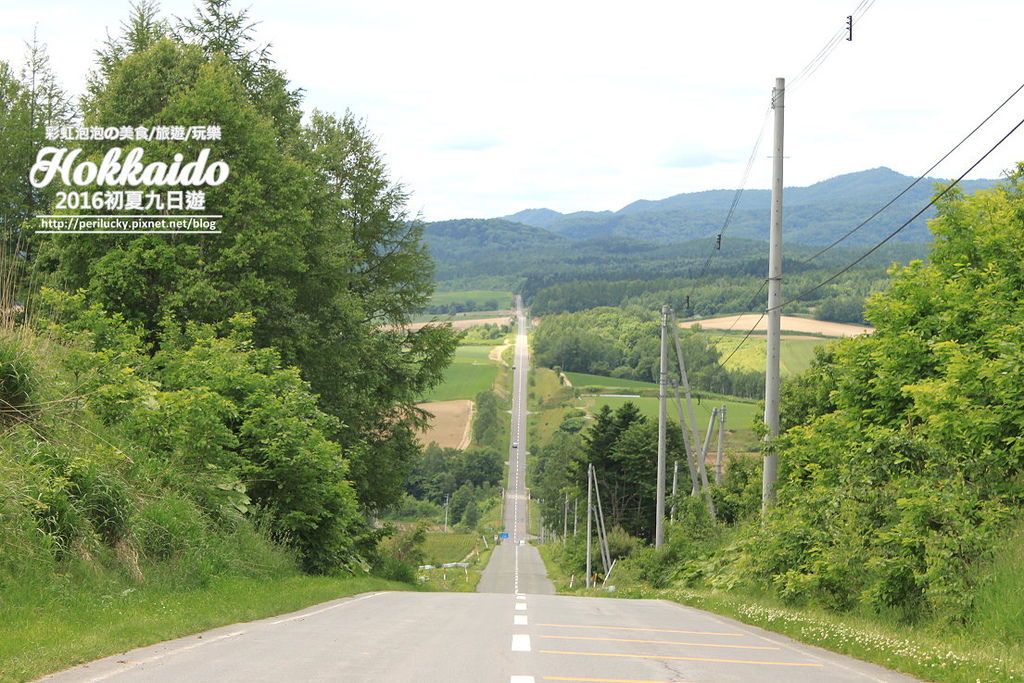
x: 515, y: 565
x: 478, y: 637
x: 512, y: 631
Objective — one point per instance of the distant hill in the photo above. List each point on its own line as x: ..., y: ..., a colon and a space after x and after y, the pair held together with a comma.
x: 814, y: 215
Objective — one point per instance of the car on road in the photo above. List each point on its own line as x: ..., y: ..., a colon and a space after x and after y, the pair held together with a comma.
x: 515, y: 444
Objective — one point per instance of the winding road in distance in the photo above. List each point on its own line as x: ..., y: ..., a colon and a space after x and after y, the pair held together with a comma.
x: 514, y: 630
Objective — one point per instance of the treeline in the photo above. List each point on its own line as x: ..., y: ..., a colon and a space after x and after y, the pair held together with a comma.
x: 625, y: 343
x: 267, y: 367
x: 738, y: 291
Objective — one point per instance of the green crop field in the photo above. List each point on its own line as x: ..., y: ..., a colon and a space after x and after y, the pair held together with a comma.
x: 795, y: 356
x: 580, y: 379
x: 470, y: 373
x: 739, y: 415
x: 478, y: 296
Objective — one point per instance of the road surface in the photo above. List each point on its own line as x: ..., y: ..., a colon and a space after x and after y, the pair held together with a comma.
x: 515, y: 565
x: 482, y: 637
x: 512, y: 631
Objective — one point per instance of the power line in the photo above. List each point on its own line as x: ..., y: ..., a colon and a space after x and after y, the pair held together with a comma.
x: 732, y: 210
x: 812, y: 66
x: 920, y: 177
x: 910, y: 220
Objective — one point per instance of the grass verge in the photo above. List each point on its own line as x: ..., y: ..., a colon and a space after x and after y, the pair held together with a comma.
x: 71, y: 631
x: 931, y: 656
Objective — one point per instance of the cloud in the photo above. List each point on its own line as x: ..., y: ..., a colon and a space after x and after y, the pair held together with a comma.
x: 694, y: 158
x: 470, y: 143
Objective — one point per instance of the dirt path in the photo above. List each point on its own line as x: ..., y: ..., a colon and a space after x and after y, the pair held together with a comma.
x: 496, y: 352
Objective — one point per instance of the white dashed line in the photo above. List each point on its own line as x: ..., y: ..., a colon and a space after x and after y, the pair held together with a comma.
x: 519, y: 620
x: 520, y: 642
x: 521, y: 679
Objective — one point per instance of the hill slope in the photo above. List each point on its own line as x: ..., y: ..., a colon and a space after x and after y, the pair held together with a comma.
x: 815, y: 214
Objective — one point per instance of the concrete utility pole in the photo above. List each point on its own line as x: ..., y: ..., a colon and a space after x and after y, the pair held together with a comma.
x: 575, y: 504
x: 721, y: 438
x: 446, y: 513
x: 590, y: 516
x: 565, y: 518
x: 689, y: 399
x: 771, y: 379
x: 659, y: 500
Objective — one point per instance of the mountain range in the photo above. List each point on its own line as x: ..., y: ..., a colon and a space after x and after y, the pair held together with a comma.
x: 813, y: 215
x: 657, y: 236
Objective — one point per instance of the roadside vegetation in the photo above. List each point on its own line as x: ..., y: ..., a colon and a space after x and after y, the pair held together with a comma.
x: 203, y: 429
x: 896, y: 535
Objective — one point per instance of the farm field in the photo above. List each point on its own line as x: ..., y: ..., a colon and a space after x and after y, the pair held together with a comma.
x: 449, y: 428
x: 461, y: 323
x: 790, y: 323
x: 480, y: 297
x: 467, y: 315
x: 795, y: 357
x: 582, y: 379
x: 739, y: 415
x: 471, y: 372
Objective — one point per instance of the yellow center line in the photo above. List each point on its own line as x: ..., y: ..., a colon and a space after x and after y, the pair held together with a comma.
x: 606, y: 680
x: 653, y: 630
x: 665, y: 642
x: 675, y: 657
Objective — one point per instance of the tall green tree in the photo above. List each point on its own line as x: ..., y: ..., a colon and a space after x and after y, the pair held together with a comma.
x: 315, y: 241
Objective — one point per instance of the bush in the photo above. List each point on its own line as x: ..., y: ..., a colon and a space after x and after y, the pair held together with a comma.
x: 18, y: 379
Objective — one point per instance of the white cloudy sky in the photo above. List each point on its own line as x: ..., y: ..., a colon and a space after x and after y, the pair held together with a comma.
x: 486, y: 108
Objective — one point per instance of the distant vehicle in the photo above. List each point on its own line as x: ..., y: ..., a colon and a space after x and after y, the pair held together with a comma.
x: 515, y: 444
x: 513, y: 367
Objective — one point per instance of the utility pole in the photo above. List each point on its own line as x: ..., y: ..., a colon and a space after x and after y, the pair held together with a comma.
x: 659, y: 500
x: 446, y: 513
x: 590, y: 515
x: 706, y: 487
x: 771, y: 379
x: 575, y: 505
x: 689, y: 399
x: 721, y: 438
x: 565, y: 518
x: 675, y: 482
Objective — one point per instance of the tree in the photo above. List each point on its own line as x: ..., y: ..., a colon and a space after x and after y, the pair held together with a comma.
x: 902, y: 457
x: 315, y: 243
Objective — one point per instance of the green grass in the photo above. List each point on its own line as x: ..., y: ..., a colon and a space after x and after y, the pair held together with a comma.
x: 794, y: 357
x: 999, y: 608
x: 739, y: 415
x: 440, y: 548
x: 75, y: 628
x: 546, y: 389
x: 580, y: 379
x: 480, y: 296
x: 470, y: 373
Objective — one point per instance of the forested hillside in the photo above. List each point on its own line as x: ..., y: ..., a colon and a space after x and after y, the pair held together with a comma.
x: 816, y: 214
